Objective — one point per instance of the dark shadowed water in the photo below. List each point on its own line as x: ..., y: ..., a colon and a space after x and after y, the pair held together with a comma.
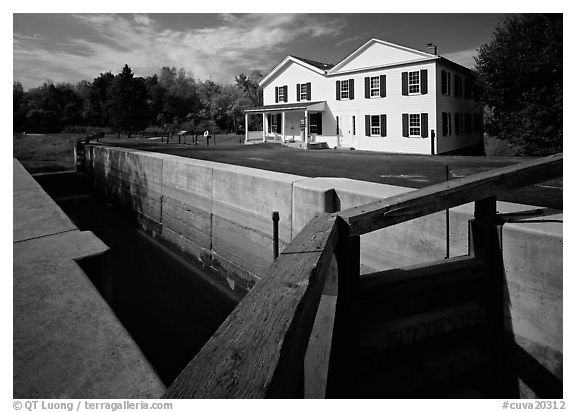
x: 168, y: 304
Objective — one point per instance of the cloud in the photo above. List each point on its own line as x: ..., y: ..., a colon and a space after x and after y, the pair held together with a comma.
x: 463, y: 57
x: 350, y: 39
x: 236, y: 43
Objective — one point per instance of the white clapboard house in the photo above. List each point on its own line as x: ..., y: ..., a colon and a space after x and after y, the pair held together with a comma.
x: 382, y: 97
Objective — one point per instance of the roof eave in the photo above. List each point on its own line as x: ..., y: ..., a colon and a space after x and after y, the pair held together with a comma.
x: 337, y: 67
x: 288, y: 58
x: 385, y: 66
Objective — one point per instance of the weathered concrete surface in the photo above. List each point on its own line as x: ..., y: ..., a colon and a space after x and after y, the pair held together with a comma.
x: 33, y: 216
x: 67, y: 341
x: 243, y: 200
x: 218, y: 213
x: 221, y: 214
x: 417, y: 241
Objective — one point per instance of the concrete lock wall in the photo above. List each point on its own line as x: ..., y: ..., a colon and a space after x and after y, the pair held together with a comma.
x: 221, y: 215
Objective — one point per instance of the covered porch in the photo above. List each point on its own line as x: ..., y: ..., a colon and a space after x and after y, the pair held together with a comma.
x: 288, y: 122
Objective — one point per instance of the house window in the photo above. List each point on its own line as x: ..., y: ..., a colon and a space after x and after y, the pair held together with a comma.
x: 281, y: 94
x: 413, y: 82
x: 375, y: 125
x: 457, y: 86
x: 446, y: 124
x: 445, y: 83
x: 315, y: 120
x: 457, y: 123
x: 304, y: 91
x: 375, y: 86
x: 345, y: 89
x: 273, y: 123
x: 414, y: 125
x: 354, y: 125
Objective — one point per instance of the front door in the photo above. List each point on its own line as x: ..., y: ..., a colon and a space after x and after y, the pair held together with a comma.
x: 347, y: 127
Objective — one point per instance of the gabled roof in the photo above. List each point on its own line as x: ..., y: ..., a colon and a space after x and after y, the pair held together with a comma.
x: 420, y: 55
x: 317, y: 67
x: 330, y: 69
x: 321, y: 66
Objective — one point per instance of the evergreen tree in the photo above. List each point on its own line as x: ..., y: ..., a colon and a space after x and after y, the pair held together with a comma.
x: 520, y: 82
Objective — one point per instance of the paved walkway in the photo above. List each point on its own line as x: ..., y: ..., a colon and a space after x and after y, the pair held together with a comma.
x: 67, y: 341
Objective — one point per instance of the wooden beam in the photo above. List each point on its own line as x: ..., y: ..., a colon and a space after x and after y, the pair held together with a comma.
x: 396, y: 209
x: 258, y: 352
x: 317, y: 359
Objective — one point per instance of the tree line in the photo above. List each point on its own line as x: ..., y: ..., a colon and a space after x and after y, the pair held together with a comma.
x: 169, y: 101
x: 518, y: 79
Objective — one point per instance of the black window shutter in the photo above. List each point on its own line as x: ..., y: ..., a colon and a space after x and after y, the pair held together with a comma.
x: 285, y: 93
x: 423, y: 81
x: 383, y: 125
x: 276, y: 91
x: 279, y: 123
x: 405, y: 124
x: 367, y: 125
x: 444, y: 86
x: 456, y: 82
x: 448, y: 82
x: 351, y: 89
x: 318, y: 122
x: 444, y: 124
x: 382, y: 85
x: 424, y: 124
x: 337, y: 89
x: 308, y: 91
x: 367, y: 87
x: 298, y: 92
x: 405, y: 83
x: 269, y: 123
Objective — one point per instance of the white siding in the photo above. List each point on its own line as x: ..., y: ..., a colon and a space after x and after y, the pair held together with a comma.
x: 380, y: 54
x: 293, y: 74
x: 451, y: 104
x: 393, y: 106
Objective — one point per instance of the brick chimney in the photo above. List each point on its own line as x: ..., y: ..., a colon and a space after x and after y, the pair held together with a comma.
x: 432, y: 49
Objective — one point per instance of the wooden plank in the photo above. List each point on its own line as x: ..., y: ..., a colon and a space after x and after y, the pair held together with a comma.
x: 384, y: 335
x: 396, y: 209
x: 317, y: 359
x: 456, y: 269
x: 259, y: 350
x: 341, y: 378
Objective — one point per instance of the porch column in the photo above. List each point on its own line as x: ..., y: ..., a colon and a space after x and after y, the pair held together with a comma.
x: 305, y: 126
x: 264, y: 126
x: 283, y: 126
x: 246, y: 128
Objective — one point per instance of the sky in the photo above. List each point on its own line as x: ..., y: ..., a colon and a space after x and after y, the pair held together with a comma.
x: 218, y: 46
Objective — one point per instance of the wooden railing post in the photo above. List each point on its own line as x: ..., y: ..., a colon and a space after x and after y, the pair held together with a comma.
x: 347, y: 251
x: 486, y: 241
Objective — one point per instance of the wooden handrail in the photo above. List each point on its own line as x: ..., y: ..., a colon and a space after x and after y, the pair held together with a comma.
x: 258, y: 352
x: 407, y: 206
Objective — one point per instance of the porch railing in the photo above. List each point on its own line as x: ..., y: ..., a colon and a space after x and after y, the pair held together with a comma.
x: 285, y: 338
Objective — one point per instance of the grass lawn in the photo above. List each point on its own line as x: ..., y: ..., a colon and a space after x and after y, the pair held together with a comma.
x: 45, y: 152
x: 54, y: 152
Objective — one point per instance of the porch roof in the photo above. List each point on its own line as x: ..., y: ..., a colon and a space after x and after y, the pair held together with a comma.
x: 305, y: 105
